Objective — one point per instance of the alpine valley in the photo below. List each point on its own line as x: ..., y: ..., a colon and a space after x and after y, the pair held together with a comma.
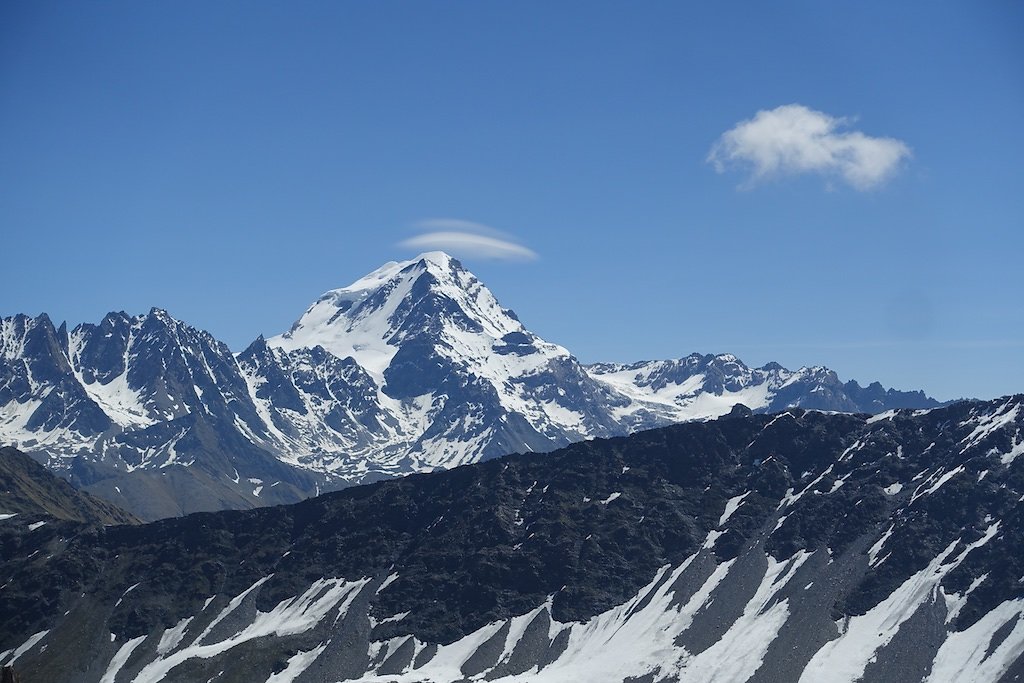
x: 801, y: 546
x: 413, y: 368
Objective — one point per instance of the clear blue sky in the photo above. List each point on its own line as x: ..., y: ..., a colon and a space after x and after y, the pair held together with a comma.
x: 231, y: 161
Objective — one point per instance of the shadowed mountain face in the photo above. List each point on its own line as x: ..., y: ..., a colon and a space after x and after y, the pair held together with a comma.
x: 29, y: 491
x: 796, y: 546
x: 413, y: 368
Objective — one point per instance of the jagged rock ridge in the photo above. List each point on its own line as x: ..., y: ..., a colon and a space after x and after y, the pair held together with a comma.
x: 412, y: 368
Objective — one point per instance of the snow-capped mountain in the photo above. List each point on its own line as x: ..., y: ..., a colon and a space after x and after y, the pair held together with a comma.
x: 412, y: 368
x: 144, y: 411
x: 802, y: 546
x: 461, y: 376
x: 702, y: 387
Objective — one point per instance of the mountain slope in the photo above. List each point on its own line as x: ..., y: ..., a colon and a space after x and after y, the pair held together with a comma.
x: 412, y: 368
x: 798, y: 546
x: 702, y: 387
x: 144, y: 411
x: 442, y: 350
x: 28, y: 490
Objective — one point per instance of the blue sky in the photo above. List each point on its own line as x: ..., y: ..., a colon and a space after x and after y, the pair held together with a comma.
x: 231, y: 161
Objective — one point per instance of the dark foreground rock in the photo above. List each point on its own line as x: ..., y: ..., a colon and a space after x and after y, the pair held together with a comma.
x: 796, y: 546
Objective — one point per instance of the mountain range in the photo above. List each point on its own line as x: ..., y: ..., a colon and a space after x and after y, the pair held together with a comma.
x: 412, y: 368
x: 800, y: 546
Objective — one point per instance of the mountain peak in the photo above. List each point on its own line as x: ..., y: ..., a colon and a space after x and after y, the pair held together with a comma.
x: 160, y: 315
x: 437, y: 262
x: 437, y: 258
x: 369, y: 319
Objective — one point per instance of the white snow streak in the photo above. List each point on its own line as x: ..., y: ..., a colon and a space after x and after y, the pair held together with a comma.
x: 26, y: 646
x: 119, y: 659
x: 845, y: 658
x: 731, y: 506
x: 297, y: 664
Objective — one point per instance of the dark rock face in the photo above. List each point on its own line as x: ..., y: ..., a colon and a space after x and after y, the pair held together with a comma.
x: 414, y: 368
x: 761, y: 547
x: 28, y: 490
x: 38, y: 361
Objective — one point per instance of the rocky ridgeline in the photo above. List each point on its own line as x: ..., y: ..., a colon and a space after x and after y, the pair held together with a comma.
x: 412, y: 368
x: 794, y: 546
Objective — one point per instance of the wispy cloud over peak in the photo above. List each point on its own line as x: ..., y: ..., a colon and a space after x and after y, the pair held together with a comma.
x: 467, y: 238
x: 794, y: 139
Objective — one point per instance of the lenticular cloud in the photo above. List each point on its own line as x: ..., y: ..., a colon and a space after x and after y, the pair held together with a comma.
x: 466, y: 238
x: 794, y: 139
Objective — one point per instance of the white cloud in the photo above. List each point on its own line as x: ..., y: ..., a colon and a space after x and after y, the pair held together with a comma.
x: 794, y: 139
x: 466, y: 238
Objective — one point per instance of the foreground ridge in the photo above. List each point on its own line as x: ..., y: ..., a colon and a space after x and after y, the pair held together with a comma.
x: 795, y: 546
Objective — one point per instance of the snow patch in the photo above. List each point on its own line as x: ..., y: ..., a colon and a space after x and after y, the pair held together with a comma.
x: 893, y: 489
x: 731, y: 506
